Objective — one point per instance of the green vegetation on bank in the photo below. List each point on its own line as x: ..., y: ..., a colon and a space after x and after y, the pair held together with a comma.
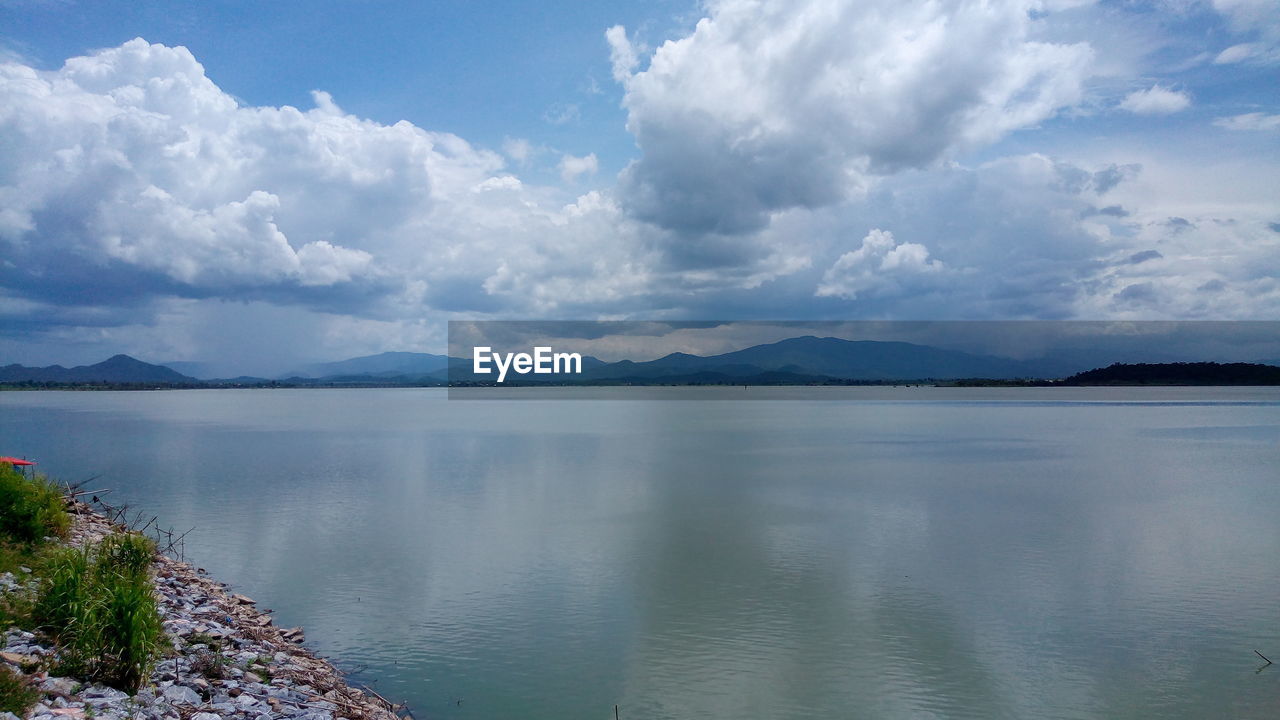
x: 99, y: 604
x: 15, y: 694
x: 30, y: 508
x: 96, y: 603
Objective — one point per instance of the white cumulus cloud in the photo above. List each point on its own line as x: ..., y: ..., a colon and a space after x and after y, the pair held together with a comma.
x: 769, y: 105
x: 881, y: 266
x: 128, y: 174
x: 1156, y: 100
x: 622, y: 54
x: 572, y: 167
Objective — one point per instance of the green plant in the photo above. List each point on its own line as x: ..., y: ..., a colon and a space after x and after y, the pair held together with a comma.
x: 209, y: 664
x: 66, y: 604
x: 31, y: 508
x: 258, y: 666
x: 99, y: 603
x: 16, y: 609
x: 126, y: 553
x: 130, y: 631
x: 17, y: 558
x: 16, y: 696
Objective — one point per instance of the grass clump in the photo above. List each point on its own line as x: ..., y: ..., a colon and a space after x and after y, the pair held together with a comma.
x: 31, y: 508
x: 99, y: 604
x: 210, y: 664
x: 16, y: 696
x: 126, y: 553
x: 258, y: 666
x: 66, y: 593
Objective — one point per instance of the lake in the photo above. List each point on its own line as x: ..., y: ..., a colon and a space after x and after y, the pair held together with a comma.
x: 751, y: 553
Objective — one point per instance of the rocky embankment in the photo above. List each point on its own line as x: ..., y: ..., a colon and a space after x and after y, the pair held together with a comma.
x: 228, y: 659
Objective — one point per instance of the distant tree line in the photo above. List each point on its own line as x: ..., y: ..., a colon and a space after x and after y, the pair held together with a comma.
x: 1192, y: 373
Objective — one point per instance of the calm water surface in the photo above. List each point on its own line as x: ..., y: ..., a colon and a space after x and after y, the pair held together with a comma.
x: 862, y: 553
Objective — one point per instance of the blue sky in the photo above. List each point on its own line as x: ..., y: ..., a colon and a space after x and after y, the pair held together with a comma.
x: 261, y: 184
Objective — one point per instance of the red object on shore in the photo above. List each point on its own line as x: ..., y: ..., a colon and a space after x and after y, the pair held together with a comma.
x: 15, y: 461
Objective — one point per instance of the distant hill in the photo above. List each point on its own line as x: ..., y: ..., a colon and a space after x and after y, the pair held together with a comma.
x: 195, y: 369
x: 795, y: 361
x: 1197, y: 373
x: 117, y: 369
x: 799, y: 360
x: 387, y: 364
x: 828, y: 357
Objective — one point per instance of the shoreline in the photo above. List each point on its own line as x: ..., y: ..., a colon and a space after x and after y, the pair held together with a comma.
x: 229, y: 659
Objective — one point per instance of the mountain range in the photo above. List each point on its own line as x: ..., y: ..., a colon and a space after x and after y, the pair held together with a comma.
x: 828, y: 357
x: 798, y: 360
x: 387, y: 364
x: 116, y: 369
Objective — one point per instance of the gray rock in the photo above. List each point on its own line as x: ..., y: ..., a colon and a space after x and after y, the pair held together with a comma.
x: 101, y: 692
x: 205, y: 716
x: 9, y: 716
x: 252, y: 677
x: 66, y: 686
x: 181, y: 695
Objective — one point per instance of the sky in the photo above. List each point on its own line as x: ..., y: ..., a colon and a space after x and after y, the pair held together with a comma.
x: 255, y: 185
